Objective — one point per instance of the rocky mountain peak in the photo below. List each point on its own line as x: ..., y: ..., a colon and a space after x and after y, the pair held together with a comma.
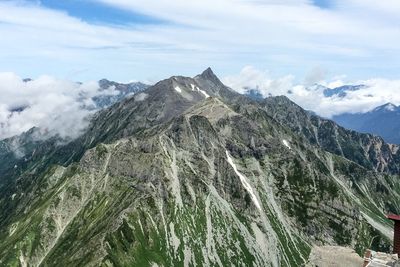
x: 209, y: 75
x: 190, y: 171
x: 388, y: 107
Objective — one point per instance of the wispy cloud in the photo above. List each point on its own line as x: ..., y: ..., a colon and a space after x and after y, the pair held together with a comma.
x: 342, y: 36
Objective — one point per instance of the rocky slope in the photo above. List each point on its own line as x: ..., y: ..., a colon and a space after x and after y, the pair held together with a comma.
x: 190, y: 173
x: 367, y: 150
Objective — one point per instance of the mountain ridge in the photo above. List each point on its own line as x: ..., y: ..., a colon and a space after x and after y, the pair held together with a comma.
x: 181, y: 177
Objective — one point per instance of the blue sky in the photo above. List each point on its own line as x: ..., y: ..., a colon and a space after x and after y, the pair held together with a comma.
x: 149, y: 40
x: 323, y: 3
x: 99, y: 13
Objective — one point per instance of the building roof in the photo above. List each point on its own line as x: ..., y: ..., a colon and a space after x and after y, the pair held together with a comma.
x: 393, y: 217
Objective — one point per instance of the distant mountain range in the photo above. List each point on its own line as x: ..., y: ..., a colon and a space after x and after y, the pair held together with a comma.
x: 122, y: 90
x: 109, y: 93
x: 342, y: 90
x: 383, y: 121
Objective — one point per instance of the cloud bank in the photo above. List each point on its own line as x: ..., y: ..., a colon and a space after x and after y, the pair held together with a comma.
x: 311, y: 96
x: 56, y: 106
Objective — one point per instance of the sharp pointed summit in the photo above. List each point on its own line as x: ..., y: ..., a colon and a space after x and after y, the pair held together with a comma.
x: 208, y: 74
x: 213, y: 85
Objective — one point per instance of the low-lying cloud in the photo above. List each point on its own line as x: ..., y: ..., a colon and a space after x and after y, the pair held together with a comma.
x: 57, y: 107
x: 62, y: 107
x: 311, y: 96
x: 252, y: 78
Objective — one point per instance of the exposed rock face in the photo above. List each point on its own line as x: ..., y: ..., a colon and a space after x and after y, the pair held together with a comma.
x: 366, y: 150
x: 192, y: 173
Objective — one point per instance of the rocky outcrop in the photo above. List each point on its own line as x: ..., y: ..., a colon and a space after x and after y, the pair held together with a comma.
x: 367, y: 150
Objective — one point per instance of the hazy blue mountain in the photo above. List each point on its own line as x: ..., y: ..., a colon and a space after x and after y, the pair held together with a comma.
x: 383, y: 121
x: 328, y: 92
x: 342, y: 90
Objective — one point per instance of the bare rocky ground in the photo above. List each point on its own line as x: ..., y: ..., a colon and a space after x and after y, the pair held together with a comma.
x: 334, y: 256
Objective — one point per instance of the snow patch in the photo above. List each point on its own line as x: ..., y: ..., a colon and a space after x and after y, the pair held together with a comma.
x: 196, y: 88
x: 203, y: 92
x: 244, y: 181
x: 390, y: 107
x: 286, y: 143
x: 13, y: 196
x: 178, y: 89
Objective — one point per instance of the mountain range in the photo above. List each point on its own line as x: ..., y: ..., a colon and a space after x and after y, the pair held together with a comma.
x: 383, y: 121
x: 121, y: 91
x: 342, y: 91
x: 188, y: 172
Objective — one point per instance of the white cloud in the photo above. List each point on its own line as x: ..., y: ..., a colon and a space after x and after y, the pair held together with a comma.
x: 55, y: 106
x: 225, y: 34
x: 252, y: 78
x: 375, y: 93
x: 315, y: 75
